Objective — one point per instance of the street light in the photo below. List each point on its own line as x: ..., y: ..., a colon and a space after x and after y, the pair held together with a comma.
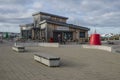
x: 95, y: 28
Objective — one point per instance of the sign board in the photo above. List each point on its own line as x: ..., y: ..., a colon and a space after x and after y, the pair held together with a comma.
x: 62, y: 28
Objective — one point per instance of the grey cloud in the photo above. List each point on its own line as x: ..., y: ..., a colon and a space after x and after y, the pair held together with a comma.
x: 16, y: 20
x: 14, y: 2
x: 105, y: 13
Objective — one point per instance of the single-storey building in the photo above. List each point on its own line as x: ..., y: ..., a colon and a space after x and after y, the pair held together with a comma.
x: 48, y: 26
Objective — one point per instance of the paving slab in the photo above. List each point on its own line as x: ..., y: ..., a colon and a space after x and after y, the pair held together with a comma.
x: 76, y: 64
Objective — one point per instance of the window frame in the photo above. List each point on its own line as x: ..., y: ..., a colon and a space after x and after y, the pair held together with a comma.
x: 83, y: 35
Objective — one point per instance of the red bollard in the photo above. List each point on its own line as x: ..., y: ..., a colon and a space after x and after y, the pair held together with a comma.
x: 95, y: 39
x: 51, y: 40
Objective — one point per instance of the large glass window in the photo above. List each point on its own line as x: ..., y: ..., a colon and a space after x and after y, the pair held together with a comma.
x: 68, y: 35
x: 82, y: 34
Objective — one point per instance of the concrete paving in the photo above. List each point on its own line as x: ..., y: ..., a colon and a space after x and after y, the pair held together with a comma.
x: 76, y: 64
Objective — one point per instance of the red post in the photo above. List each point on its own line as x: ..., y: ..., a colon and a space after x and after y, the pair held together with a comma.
x: 95, y: 39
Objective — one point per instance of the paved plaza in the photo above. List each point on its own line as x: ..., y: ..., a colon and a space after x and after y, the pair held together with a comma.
x: 76, y: 64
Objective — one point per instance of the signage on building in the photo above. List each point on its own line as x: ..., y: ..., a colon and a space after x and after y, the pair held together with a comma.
x: 63, y: 28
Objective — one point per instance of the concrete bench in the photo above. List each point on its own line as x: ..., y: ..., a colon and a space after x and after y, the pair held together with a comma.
x: 18, y: 48
x: 47, y: 59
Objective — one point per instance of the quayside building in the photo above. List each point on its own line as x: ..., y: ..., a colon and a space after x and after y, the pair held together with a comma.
x: 48, y: 26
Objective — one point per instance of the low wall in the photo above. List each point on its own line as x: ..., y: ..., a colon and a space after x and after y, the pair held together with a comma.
x: 38, y: 44
x: 116, y: 42
x: 27, y: 44
x: 101, y: 47
x: 49, y: 44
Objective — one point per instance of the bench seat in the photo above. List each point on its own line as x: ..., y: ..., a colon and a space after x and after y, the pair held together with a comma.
x: 47, y: 59
x: 18, y: 48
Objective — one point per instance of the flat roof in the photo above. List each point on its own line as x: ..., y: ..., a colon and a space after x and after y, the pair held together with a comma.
x: 49, y: 14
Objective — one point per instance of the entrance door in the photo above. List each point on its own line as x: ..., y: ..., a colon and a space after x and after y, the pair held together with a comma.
x: 64, y: 36
x: 67, y: 36
x: 55, y: 36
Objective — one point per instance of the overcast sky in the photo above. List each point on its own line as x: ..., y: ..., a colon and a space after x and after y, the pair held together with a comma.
x: 102, y: 15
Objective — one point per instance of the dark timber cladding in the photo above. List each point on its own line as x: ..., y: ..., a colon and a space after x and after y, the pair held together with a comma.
x: 47, y: 27
x: 64, y: 24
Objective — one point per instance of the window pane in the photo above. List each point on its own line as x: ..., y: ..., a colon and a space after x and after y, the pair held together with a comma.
x: 82, y: 34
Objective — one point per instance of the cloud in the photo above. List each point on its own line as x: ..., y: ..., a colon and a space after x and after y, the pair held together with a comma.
x: 104, y: 13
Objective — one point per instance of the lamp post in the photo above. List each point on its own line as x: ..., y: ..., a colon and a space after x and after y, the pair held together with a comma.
x: 95, y: 28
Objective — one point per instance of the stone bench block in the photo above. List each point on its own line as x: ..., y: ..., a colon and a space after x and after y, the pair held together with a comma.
x: 18, y: 48
x: 47, y: 59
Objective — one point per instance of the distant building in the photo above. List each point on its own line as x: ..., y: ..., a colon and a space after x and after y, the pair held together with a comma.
x: 10, y: 34
x: 46, y: 26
